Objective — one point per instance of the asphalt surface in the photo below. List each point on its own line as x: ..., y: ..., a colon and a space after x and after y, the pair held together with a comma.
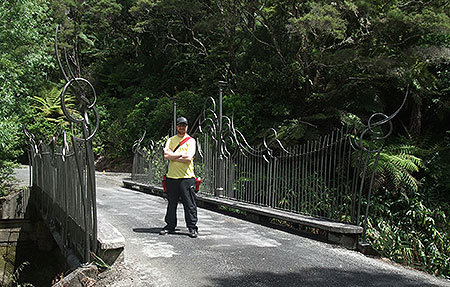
x: 230, y: 251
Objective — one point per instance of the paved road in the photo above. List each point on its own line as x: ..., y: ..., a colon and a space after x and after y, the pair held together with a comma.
x: 233, y: 252
x: 229, y: 251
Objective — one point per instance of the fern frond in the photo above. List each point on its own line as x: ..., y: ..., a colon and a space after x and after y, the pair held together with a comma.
x: 396, y: 166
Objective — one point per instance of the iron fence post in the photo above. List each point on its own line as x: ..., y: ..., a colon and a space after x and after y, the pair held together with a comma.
x: 174, y: 126
x: 220, y: 170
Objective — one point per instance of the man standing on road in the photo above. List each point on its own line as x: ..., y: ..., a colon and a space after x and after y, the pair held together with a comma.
x: 180, y: 179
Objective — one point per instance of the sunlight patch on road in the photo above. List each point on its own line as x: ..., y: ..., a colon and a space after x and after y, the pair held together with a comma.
x: 159, y: 249
x: 241, y: 237
x: 155, y: 249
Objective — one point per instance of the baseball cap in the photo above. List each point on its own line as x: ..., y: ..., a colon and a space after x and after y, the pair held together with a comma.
x: 182, y: 120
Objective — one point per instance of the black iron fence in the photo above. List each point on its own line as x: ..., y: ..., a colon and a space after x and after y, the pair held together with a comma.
x: 331, y: 177
x: 63, y: 190
x: 63, y: 176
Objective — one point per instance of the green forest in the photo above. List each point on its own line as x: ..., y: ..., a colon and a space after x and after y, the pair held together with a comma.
x: 301, y: 67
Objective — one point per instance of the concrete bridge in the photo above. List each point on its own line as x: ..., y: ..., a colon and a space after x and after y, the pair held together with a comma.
x: 229, y: 251
x: 118, y: 216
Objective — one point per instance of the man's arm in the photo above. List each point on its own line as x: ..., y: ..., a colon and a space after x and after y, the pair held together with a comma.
x: 189, y: 155
x: 170, y: 155
x: 181, y: 157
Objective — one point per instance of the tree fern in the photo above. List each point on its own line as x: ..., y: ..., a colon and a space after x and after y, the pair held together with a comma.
x: 396, y: 167
x: 48, y: 103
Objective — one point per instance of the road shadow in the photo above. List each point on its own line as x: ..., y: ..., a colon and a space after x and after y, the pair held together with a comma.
x: 321, y: 277
x: 156, y: 230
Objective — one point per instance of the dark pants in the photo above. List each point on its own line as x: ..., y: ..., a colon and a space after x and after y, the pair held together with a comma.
x: 185, y: 188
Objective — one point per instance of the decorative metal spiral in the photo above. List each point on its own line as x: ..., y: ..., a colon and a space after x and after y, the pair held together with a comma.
x: 374, y: 135
x: 78, y: 86
x: 137, y: 144
x: 31, y: 140
x: 209, y: 120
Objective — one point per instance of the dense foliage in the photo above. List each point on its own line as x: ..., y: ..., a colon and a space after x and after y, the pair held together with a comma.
x: 408, y: 222
x: 304, y: 67
x: 24, y: 61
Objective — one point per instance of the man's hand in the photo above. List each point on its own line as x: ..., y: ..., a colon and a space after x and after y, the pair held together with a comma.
x: 170, y: 155
x: 184, y: 158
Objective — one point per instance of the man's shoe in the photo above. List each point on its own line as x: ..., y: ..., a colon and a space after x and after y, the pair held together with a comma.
x: 193, y: 233
x: 165, y: 231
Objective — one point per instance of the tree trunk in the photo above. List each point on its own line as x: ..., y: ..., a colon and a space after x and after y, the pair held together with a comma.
x: 415, y: 125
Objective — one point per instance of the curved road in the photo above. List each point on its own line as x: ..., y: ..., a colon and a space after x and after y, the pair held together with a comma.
x: 229, y: 251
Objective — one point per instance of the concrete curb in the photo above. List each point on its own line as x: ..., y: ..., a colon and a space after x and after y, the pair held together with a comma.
x: 111, y: 242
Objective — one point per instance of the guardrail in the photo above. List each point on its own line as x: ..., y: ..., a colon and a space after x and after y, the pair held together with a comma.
x: 330, y: 178
x: 63, y: 176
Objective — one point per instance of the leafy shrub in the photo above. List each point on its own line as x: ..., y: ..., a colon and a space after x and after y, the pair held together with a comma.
x: 410, y: 233
x: 408, y: 222
x: 6, y: 176
x: 9, y: 135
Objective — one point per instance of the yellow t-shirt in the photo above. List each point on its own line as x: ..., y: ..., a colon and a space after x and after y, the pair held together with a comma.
x: 181, y: 169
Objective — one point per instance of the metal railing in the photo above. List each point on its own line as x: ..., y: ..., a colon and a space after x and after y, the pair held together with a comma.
x: 63, y: 177
x: 63, y: 190
x: 331, y: 177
